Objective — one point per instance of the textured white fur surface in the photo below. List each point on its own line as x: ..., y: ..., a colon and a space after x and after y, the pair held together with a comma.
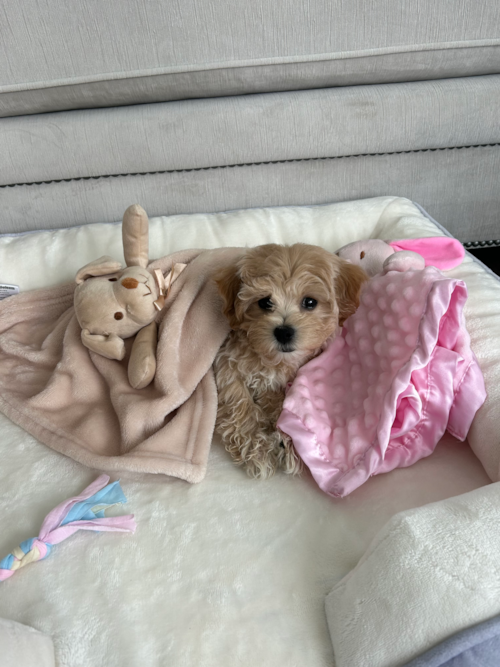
x: 232, y: 571
x: 429, y: 573
x: 22, y: 646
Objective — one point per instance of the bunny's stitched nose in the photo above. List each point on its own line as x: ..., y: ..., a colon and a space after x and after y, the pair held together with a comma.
x: 130, y: 283
x: 284, y: 334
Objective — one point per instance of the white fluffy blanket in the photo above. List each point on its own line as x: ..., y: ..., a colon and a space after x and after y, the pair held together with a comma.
x: 230, y: 571
x: 23, y: 646
x: 429, y: 572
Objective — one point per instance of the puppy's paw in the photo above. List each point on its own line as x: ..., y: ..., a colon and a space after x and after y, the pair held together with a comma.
x: 253, y: 450
x: 260, y: 468
x: 288, y: 459
x: 262, y: 451
x: 263, y: 457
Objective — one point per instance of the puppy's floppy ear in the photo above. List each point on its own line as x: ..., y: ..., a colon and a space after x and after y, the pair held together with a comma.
x: 348, y: 283
x: 229, y: 283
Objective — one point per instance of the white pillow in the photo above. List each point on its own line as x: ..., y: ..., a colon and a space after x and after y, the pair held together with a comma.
x: 40, y: 259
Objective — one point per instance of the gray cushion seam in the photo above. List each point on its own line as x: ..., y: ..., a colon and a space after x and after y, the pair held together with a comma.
x: 244, y: 164
x: 258, y: 62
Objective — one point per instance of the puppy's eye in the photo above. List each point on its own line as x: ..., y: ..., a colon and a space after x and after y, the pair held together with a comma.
x: 266, y: 303
x: 309, y: 303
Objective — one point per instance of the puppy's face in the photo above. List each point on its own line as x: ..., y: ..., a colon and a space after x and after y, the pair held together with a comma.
x: 289, y: 299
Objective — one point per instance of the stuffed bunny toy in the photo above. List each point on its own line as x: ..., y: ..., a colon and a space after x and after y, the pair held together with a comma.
x: 376, y: 256
x: 112, y: 303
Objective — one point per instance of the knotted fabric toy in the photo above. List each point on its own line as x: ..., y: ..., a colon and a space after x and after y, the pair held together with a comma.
x: 83, y: 512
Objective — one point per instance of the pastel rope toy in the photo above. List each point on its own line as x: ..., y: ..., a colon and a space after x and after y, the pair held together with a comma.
x: 83, y: 512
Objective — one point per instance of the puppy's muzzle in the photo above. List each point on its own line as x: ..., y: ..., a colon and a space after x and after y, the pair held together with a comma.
x: 285, y: 335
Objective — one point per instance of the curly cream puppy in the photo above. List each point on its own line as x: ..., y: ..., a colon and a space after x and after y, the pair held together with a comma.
x: 282, y: 303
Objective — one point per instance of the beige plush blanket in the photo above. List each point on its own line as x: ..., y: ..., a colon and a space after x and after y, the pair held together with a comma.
x: 82, y: 405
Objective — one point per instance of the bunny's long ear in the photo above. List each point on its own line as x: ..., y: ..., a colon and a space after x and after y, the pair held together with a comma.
x: 99, y: 267
x: 135, y: 235
x: 442, y: 252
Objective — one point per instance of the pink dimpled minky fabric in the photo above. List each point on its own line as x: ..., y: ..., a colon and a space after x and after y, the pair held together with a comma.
x: 384, y: 391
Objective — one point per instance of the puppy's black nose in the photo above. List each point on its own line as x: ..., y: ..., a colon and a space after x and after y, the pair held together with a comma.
x: 284, y: 334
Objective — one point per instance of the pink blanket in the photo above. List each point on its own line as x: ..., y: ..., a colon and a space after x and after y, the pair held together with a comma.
x: 383, y: 393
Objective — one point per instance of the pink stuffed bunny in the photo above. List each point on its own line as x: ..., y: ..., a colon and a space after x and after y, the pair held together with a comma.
x: 376, y: 256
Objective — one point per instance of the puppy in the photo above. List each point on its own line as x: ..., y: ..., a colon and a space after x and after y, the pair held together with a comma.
x: 282, y: 303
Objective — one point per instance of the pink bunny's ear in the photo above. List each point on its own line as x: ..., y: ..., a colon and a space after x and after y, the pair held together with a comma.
x: 439, y: 251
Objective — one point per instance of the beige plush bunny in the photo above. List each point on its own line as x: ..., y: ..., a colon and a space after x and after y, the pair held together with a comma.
x: 112, y: 303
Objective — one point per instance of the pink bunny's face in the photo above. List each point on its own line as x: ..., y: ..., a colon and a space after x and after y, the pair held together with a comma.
x: 370, y: 255
x: 377, y: 256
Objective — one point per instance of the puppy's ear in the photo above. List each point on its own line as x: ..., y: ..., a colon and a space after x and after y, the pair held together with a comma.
x: 229, y: 282
x: 348, y: 283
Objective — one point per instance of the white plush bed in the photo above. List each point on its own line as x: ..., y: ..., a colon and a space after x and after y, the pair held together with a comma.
x: 231, y: 571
